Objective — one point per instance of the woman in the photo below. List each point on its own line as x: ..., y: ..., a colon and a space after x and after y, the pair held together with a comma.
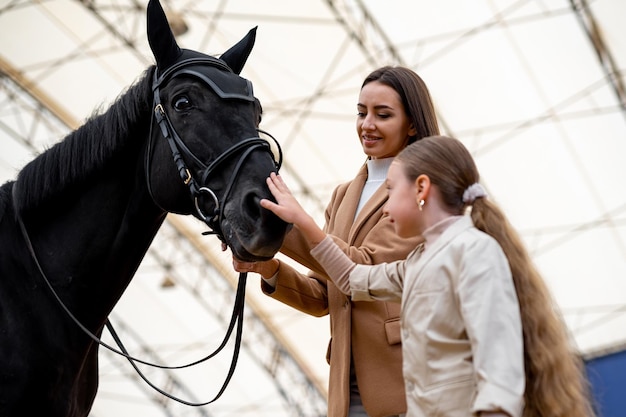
x: 394, y: 109
x: 480, y: 335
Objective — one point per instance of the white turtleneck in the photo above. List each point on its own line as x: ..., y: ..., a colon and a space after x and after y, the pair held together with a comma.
x: 376, y: 176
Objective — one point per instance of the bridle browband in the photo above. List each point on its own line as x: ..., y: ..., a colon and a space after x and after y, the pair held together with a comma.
x: 245, y: 147
x: 180, y: 151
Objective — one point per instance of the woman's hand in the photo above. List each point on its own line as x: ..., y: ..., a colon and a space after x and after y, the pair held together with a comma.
x: 267, y: 269
x: 288, y: 209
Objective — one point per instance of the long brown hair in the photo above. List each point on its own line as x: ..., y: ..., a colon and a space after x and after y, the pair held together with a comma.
x: 414, y: 95
x: 556, y: 385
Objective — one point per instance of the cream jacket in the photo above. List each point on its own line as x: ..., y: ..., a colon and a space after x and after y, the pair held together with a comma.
x: 461, y: 327
x: 370, y: 332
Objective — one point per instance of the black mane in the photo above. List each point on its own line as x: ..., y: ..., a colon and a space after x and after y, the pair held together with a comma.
x: 87, y: 149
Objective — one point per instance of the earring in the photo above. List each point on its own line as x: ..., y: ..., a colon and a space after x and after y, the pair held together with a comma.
x: 420, y: 204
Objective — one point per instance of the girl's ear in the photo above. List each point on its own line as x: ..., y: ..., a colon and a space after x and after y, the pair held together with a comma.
x: 422, y: 186
x: 412, y: 130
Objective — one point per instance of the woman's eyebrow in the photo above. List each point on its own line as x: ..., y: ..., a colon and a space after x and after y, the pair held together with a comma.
x: 379, y: 106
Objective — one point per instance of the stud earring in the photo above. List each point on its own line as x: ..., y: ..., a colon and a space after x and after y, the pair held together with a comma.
x: 420, y: 204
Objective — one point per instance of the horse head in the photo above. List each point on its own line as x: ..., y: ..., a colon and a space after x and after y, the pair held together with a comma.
x: 206, y: 123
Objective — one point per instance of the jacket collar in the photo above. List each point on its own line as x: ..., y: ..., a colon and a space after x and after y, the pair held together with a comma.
x: 461, y: 224
x: 442, y: 240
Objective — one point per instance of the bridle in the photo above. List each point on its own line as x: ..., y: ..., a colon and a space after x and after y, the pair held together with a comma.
x: 197, y: 189
x: 180, y: 151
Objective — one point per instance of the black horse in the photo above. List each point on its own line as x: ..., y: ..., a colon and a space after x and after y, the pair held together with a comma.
x: 183, y: 139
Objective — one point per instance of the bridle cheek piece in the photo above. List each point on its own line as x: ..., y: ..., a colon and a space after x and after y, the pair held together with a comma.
x: 226, y: 86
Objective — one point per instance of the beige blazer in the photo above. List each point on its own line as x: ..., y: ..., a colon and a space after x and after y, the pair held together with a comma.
x: 461, y: 326
x: 370, y: 331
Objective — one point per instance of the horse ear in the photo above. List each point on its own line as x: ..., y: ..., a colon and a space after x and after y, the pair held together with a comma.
x: 160, y: 37
x: 237, y: 55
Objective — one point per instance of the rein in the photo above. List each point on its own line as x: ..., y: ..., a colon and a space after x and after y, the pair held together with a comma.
x: 197, y: 189
x: 236, y: 318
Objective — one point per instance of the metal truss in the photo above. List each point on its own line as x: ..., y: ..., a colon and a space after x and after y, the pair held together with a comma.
x: 594, y: 32
x: 370, y: 37
x: 33, y: 121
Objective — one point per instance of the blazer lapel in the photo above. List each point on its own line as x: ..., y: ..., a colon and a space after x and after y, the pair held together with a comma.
x: 344, y: 220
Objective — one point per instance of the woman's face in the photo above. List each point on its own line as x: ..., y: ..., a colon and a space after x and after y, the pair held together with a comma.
x: 382, y: 124
x: 402, y: 205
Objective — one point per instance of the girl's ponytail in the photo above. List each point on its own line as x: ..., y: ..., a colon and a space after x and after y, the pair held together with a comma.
x: 556, y: 385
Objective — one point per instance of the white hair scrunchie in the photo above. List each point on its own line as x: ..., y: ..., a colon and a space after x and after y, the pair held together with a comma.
x: 473, y: 192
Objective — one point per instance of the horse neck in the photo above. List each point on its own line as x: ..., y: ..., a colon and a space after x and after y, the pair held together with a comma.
x: 92, y: 228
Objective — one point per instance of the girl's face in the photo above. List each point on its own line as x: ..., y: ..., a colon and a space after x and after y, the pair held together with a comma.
x: 402, y: 205
x: 382, y: 124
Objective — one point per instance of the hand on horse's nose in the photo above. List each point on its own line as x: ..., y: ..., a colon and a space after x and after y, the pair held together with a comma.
x: 266, y: 269
x: 242, y: 266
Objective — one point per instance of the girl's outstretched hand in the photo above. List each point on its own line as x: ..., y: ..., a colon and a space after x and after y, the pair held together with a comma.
x: 288, y: 209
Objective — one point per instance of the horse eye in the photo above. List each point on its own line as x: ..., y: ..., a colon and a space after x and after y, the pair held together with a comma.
x: 182, y: 103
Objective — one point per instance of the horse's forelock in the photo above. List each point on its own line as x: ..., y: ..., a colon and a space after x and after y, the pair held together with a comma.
x: 87, y: 149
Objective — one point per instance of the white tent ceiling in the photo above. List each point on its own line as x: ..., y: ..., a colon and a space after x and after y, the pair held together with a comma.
x: 535, y: 89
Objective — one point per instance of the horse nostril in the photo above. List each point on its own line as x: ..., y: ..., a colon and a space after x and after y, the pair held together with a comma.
x: 252, y: 205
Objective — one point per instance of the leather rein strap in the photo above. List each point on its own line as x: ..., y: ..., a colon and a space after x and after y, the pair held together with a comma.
x: 246, y: 147
x: 236, y: 318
